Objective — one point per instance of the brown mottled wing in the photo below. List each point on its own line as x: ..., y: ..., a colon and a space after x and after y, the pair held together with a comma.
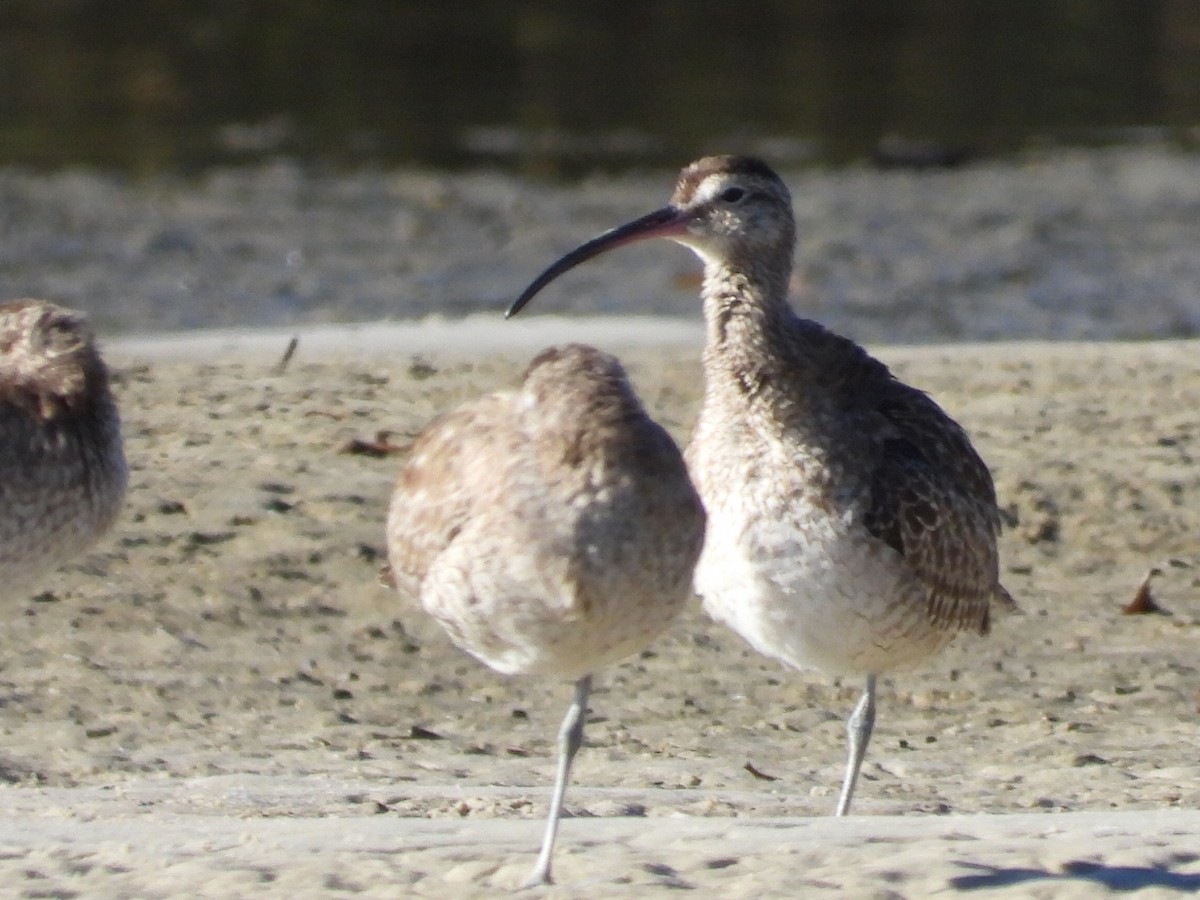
x: 438, y: 487
x: 933, y: 500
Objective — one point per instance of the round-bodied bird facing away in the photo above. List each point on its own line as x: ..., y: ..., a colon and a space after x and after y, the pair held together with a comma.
x: 62, y: 466
x: 551, y: 530
x: 851, y: 525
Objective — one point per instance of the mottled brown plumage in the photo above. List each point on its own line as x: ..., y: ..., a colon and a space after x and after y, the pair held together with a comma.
x: 851, y: 525
x: 551, y: 530
x: 62, y: 468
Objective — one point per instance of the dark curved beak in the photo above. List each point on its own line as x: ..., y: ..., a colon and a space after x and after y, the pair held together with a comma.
x: 666, y: 222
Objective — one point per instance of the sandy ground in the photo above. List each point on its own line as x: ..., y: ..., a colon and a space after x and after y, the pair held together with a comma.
x: 1060, y: 244
x: 221, y: 700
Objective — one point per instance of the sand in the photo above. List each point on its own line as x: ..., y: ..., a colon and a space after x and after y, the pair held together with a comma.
x: 221, y: 699
x: 1067, y: 244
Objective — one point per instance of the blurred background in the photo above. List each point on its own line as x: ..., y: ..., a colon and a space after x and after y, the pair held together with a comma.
x: 560, y: 86
x: 962, y: 169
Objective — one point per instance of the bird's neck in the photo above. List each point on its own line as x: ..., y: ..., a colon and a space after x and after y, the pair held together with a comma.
x: 746, y: 316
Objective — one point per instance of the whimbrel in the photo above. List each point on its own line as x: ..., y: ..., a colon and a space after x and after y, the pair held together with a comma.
x: 62, y: 467
x: 551, y: 531
x: 851, y: 525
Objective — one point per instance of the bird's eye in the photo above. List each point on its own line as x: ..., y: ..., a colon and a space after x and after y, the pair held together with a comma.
x: 733, y: 194
x: 60, y: 336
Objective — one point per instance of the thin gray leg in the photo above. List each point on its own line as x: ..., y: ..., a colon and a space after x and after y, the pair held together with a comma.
x: 858, y: 730
x: 570, y: 739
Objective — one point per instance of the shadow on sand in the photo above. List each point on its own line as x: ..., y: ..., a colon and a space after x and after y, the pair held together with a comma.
x: 1115, y: 878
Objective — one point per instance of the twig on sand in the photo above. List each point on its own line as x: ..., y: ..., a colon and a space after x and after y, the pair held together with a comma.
x: 282, y: 365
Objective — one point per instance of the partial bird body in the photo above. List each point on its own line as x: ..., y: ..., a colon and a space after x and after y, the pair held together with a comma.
x: 539, y: 525
x: 62, y: 467
x: 836, y: 541
x: 551, y: 530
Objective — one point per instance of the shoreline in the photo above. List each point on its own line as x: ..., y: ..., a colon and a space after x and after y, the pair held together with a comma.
x: 485, y: 335
x: 473, y: 336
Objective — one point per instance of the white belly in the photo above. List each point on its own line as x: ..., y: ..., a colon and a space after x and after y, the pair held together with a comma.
x: 813, y: 591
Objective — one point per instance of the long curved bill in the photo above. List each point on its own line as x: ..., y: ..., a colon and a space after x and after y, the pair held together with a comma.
x: 666, y: 222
